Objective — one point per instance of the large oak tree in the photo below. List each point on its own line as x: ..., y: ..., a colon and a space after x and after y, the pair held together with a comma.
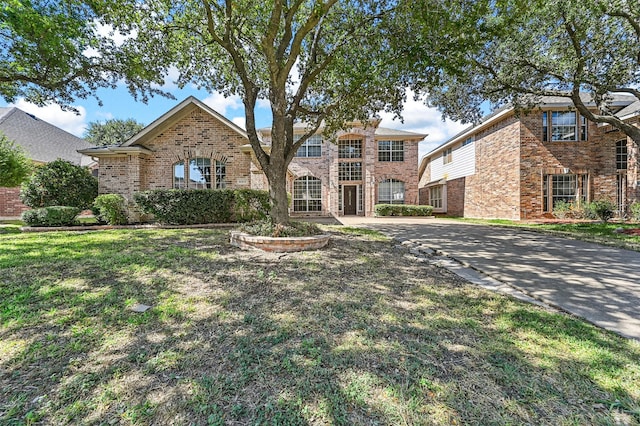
x: 58, y: 51
x: 510, y: 51
x: 314, y: 61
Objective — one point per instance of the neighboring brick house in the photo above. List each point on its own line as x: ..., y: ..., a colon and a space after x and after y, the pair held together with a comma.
x: 43, y: 143
x: 192, y: 146
x: 518, y: 167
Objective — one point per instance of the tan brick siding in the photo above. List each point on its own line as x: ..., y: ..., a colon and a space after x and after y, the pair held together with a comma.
x: 493, y: 191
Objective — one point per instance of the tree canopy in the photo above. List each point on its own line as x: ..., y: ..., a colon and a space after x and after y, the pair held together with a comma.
x: 111, y: 132
x: 509, y: 51
x: 60, y: 51
x: 14, y: 164
x: 316, y: 61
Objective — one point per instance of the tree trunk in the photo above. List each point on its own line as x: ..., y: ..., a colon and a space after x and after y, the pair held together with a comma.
x: 277, y: 177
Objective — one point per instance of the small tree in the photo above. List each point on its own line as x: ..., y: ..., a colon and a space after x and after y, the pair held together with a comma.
x: 112, y: 132
x: 14, y: 164
x: 60, y: 183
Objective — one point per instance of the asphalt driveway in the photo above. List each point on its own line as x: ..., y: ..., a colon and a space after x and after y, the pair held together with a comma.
x: 598, y: 283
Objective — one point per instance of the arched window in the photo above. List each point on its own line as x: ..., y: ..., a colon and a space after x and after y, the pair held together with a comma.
x: 391, y: 191
x: 197, y: 174
x: 621, y: 155
x: 307, y: 194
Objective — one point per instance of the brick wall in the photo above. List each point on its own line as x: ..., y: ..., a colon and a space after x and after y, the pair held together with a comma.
x: 595, y: 157
x: 494, y: 190
x: 405, y: 171
x: 455, y: 194
x: 195, y: 134
x: 10, y: 204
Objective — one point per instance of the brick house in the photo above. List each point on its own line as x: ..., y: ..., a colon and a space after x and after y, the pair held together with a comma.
x: 518, y: 166
x: 43, y: 143
x: 193, y: 146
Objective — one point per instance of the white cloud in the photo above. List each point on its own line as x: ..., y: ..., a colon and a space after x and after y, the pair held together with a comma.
x: 420, y: 118
x: 53, y: 114
x: 220, y: 103
x: 169, y: 80
x: 240, y: 122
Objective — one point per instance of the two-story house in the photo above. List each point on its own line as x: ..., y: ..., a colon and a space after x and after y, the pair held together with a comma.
x: 518, y: 166
x: 193, y: 146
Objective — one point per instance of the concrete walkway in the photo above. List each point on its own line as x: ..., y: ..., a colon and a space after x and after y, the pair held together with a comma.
x: 598, y: 283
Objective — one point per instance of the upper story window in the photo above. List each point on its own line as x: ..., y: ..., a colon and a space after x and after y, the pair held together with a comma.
x: 447, y: 156
x: 390, y: 150
x: 563, y: 126
x: 312, y: 147
x: 468, y: 141
x: 196, y: 174
x: 349, y: 171
x: 621, y: 155
x: 350, y: 148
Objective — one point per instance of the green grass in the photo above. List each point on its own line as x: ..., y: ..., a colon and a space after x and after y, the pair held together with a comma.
x: 596, y: 231
x: 357, y: 333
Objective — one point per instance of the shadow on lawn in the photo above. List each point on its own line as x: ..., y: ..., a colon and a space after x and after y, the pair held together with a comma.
x: 358, y: 333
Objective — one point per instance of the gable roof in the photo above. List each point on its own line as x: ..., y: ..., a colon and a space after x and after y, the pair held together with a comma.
x: 384, y: 132
x: 42, y: 141
x: 175, y: 114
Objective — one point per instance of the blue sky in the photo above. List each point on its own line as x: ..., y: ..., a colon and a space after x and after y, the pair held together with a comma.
x: 117, y: 103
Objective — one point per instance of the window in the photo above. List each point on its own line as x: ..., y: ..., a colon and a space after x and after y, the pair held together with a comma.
x: 391, y: 191
x: 221, y: 174
x: 390, y: 150
x: 435, y: 197
x: 349, y: 171
x: 468, y: 141
x: 197, y: 174
x: 564, y: 126
x: 307, y: 194
x: 447, y: 156
x: 179, y: 181
x: 621, y: 155
x: 312, y: 147
x: 351, y: 148
x: 566, y: 188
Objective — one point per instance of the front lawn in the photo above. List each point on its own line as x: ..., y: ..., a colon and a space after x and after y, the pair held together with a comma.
x: 357, y: 333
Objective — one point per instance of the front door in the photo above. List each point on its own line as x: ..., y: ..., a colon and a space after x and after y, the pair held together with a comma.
x: 350, y: 201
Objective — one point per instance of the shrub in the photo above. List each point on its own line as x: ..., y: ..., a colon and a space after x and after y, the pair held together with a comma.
x: 603, y: 209
x: 14, y: 164
x: 194, y: 206
x: 634, y: 208
x: 60, y: 183
x: 266, y: 228
x: 562, y: 209
x: 250, y: 205
x: 51, y: 216
x: 112, y: 209
x: 402, y: 210
x: 187, y: 207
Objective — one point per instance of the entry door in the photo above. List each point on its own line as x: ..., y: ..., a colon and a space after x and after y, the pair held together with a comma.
x: 622, y: 194
x: 350, y: 201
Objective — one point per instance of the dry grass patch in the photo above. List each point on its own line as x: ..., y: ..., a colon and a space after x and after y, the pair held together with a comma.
x: 357, y: 333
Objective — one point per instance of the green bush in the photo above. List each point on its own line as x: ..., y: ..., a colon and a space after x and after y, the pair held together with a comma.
x: 51, y: 216
x: 60, y: 183
x: 250, y: 205
x: 112, y: 209
x: 402, y: 210
x: 187, y: 207
x: 266, y: 228
x: 14, y: 164
x: 603, y: 209
x: 196, y: 206
x: 634, y: 208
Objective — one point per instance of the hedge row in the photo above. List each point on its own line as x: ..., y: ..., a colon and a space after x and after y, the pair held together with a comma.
x: 51, y: 216
x: 197, y: 206
x: 402, y: 210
